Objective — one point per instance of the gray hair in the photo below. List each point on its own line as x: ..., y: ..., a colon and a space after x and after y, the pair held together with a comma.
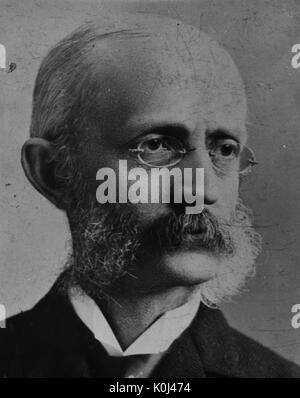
x: 65, y: 89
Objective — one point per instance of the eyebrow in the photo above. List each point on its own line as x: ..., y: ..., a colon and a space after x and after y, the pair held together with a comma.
x: 175, y: 129
x: 223, y: 132
x: 181, y: 131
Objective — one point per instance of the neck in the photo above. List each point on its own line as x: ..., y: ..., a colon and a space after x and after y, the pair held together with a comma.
x: 130, y: 316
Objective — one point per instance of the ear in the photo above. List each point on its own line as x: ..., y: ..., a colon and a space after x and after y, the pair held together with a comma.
x: 39, y: 168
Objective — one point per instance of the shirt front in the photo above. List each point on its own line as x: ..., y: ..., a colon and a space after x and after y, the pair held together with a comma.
x: 154, y: 340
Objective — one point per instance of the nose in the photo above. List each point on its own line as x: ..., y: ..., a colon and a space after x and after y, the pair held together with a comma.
x: 201, y: 159
x: 210, y: 189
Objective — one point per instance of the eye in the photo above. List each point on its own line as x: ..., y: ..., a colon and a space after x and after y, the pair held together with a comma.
x: 159, y: 150
x: 154, y: 144
x: 225, y: 155
x: 225, y: 148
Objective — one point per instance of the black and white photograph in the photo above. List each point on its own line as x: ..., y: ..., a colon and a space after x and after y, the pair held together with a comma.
x: 150, y: 191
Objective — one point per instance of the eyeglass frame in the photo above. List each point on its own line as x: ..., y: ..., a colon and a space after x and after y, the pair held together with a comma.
x: 252, y: 161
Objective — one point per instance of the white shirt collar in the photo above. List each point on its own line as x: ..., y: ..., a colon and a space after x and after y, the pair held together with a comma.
x: 156, y: 339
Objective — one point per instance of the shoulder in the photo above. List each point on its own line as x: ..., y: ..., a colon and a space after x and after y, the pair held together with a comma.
x: 16, y: 343
x: 229, y: 353
x: 34, y: 341
x: 259, y: 361
x: 26, y: 330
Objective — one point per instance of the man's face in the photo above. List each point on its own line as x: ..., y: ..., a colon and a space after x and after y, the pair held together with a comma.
x: 181, y: 87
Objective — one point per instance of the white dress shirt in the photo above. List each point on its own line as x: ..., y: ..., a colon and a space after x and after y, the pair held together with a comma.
x: 154, y: 340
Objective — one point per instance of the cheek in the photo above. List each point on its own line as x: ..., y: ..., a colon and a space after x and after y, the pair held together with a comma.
x: 140, y: 195
x: 230, y: 194
x: 149, y: 212
x: 126, y: 182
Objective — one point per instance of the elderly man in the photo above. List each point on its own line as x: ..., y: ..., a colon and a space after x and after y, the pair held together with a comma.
x: 139, y: 294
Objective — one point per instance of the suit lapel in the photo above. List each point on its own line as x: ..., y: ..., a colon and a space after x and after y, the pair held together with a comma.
x: 206, y: 349
x: 182, y: 360
x: 215, y: 343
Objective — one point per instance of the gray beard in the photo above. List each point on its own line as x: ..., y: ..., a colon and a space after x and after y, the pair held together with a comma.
x: 108, y: 243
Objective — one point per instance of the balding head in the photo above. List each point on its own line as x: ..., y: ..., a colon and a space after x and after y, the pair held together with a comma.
x: 107, y: 68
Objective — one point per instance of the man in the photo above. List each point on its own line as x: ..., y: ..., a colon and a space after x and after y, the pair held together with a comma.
x: 139, y: 295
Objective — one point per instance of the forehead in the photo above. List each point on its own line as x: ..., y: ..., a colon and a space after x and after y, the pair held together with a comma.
x: 177, y: 76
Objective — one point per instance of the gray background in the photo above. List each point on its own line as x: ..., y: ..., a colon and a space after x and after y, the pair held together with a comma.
x: 259, y: 35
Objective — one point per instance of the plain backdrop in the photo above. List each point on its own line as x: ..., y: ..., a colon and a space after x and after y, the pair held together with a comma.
x: 259, y: 36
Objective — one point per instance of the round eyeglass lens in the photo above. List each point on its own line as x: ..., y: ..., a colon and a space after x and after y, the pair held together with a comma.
x: 247, y: 160
x: 161, y: 151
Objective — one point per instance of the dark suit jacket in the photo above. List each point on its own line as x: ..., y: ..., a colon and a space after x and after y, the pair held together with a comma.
x: 51, y: 341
